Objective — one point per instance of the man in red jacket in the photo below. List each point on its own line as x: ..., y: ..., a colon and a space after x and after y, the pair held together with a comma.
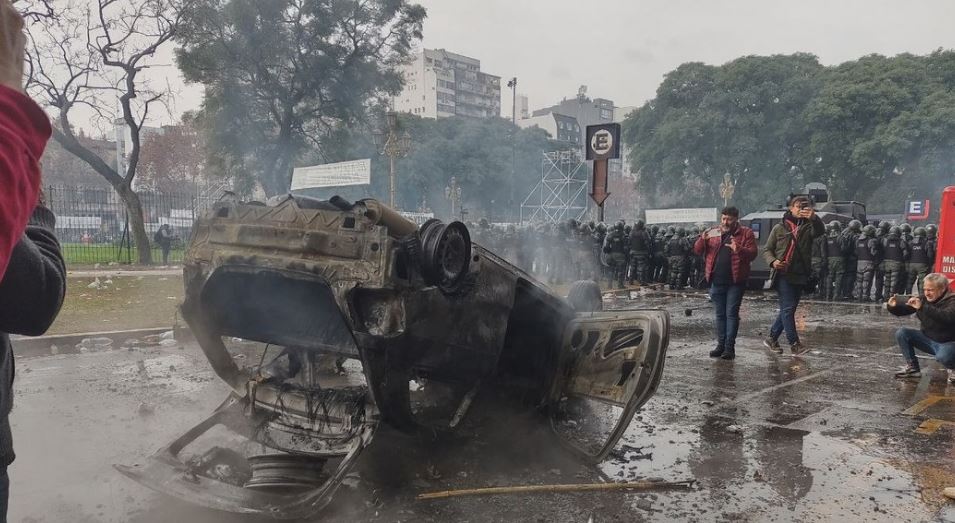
x: 24, y: 130
x: 728, y: 251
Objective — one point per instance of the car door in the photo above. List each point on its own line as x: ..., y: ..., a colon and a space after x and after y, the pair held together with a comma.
x: 611, y: 364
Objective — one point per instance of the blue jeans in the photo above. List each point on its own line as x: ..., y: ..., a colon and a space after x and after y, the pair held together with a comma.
x: 789, y: 295
x: 726, y: 302
x: 911, y: 339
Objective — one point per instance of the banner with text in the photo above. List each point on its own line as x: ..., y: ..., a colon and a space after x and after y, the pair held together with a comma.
x: 357, y: 172
x: 707, y: 215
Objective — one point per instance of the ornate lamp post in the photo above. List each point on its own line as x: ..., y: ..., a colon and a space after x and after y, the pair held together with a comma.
x: 727, y: 188
x: 453, y: 192
x: 393, y: 145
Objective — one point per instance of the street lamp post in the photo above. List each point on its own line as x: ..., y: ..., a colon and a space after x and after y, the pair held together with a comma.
x: 512, y: 83
x: 453, y: 192
x: 393, y: 145
x: 727, y: 188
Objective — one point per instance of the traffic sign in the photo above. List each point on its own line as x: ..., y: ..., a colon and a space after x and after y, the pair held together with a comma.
x: 603, y: 141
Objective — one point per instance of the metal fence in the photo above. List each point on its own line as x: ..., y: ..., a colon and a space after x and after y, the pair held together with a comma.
x: 93, y: 227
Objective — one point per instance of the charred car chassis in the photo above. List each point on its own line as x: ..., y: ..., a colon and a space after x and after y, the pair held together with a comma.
x: 335, y: 279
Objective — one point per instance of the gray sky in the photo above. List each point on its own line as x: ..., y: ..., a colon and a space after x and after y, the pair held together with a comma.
x: 621, y: 49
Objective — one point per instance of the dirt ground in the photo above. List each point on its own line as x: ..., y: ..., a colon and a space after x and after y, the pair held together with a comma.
x: 118, y: 303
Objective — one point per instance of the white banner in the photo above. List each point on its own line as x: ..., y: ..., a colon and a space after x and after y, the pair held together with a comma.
x: 417, y: 217
x: 78, y: 222
x: 182, y: 214
x: 708, y: 215
x: 176, y: 222
x: 357, y: 172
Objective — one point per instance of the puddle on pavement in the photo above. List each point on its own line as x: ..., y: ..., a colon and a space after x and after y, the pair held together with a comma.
x: 746, y: 471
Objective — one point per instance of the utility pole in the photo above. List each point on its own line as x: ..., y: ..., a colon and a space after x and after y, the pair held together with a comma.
x: 453, y: 192
x: 394, y: 146
x: 513, y: 85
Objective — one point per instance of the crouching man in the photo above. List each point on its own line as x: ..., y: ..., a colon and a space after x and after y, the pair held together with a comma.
x: 936, y: 310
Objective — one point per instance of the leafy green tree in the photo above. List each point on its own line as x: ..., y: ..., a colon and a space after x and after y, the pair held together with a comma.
x: 286, y: 77
x: 743, y: 118
x: 877, y: 129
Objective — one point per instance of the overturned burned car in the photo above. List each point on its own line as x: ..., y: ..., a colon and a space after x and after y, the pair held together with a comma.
x: 310, y: 279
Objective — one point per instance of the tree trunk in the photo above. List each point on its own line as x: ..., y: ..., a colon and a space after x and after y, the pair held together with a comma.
x: 137, y: 227
x: 134, y: 208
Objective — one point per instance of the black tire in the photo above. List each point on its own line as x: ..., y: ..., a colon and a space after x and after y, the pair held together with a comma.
x: 585, y: 296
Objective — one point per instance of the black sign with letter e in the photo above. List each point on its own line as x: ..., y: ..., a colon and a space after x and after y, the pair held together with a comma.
x: 603, y: 141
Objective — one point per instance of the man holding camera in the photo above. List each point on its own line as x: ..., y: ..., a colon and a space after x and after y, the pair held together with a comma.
x: 788, y: 251
x: 935, y: 309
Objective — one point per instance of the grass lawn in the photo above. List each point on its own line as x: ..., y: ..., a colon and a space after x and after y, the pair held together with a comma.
x: 89, y: 254
x: 129, y: 302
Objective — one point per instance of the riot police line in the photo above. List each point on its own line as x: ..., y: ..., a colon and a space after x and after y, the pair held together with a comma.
x: 849, y: 263
x: 872, y: 262
x: 619, y: 254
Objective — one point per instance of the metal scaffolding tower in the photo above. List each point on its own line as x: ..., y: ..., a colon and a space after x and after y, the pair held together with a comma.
x: 562, y: 192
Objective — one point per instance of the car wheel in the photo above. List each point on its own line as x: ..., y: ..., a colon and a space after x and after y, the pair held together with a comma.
x: 585, y: 296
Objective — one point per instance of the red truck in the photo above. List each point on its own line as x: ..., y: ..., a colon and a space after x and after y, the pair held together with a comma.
x: 945, y: 257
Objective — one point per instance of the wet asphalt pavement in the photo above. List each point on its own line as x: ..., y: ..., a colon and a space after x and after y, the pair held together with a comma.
x: 829, y: 436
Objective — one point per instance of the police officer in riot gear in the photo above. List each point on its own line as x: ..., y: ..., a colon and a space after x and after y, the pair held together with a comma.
x: 663, y: 265
x: 850, y: 237
x: 599, y: 235
x: 868, y: 254
x: 819, y: 262
x: 905, y: 231
x: 881, y: 231
x: 641, y: 250
x: 677, y: 252
x: 895, y: 251
x: 931, y: 235
x: 616, y: 246
x: 836, y: 255
x: 921, y: 258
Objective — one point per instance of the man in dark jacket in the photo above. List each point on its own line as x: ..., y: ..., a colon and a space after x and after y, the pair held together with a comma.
x: 936, y: 310
x: 788, y: 251
x: 727, y: 252
x: 31, y: 293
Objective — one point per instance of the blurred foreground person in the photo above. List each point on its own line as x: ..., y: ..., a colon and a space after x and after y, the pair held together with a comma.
x: 727, y: 251
x: 788, y: 251
x: 935, y: 308
x: 24, y: 130
x: 32, y: 275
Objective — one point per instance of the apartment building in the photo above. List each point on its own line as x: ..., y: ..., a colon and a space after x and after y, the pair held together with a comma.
x: 439, y: 84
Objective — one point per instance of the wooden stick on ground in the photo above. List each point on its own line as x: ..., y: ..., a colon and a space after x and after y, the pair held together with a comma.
x: 533, y: 489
